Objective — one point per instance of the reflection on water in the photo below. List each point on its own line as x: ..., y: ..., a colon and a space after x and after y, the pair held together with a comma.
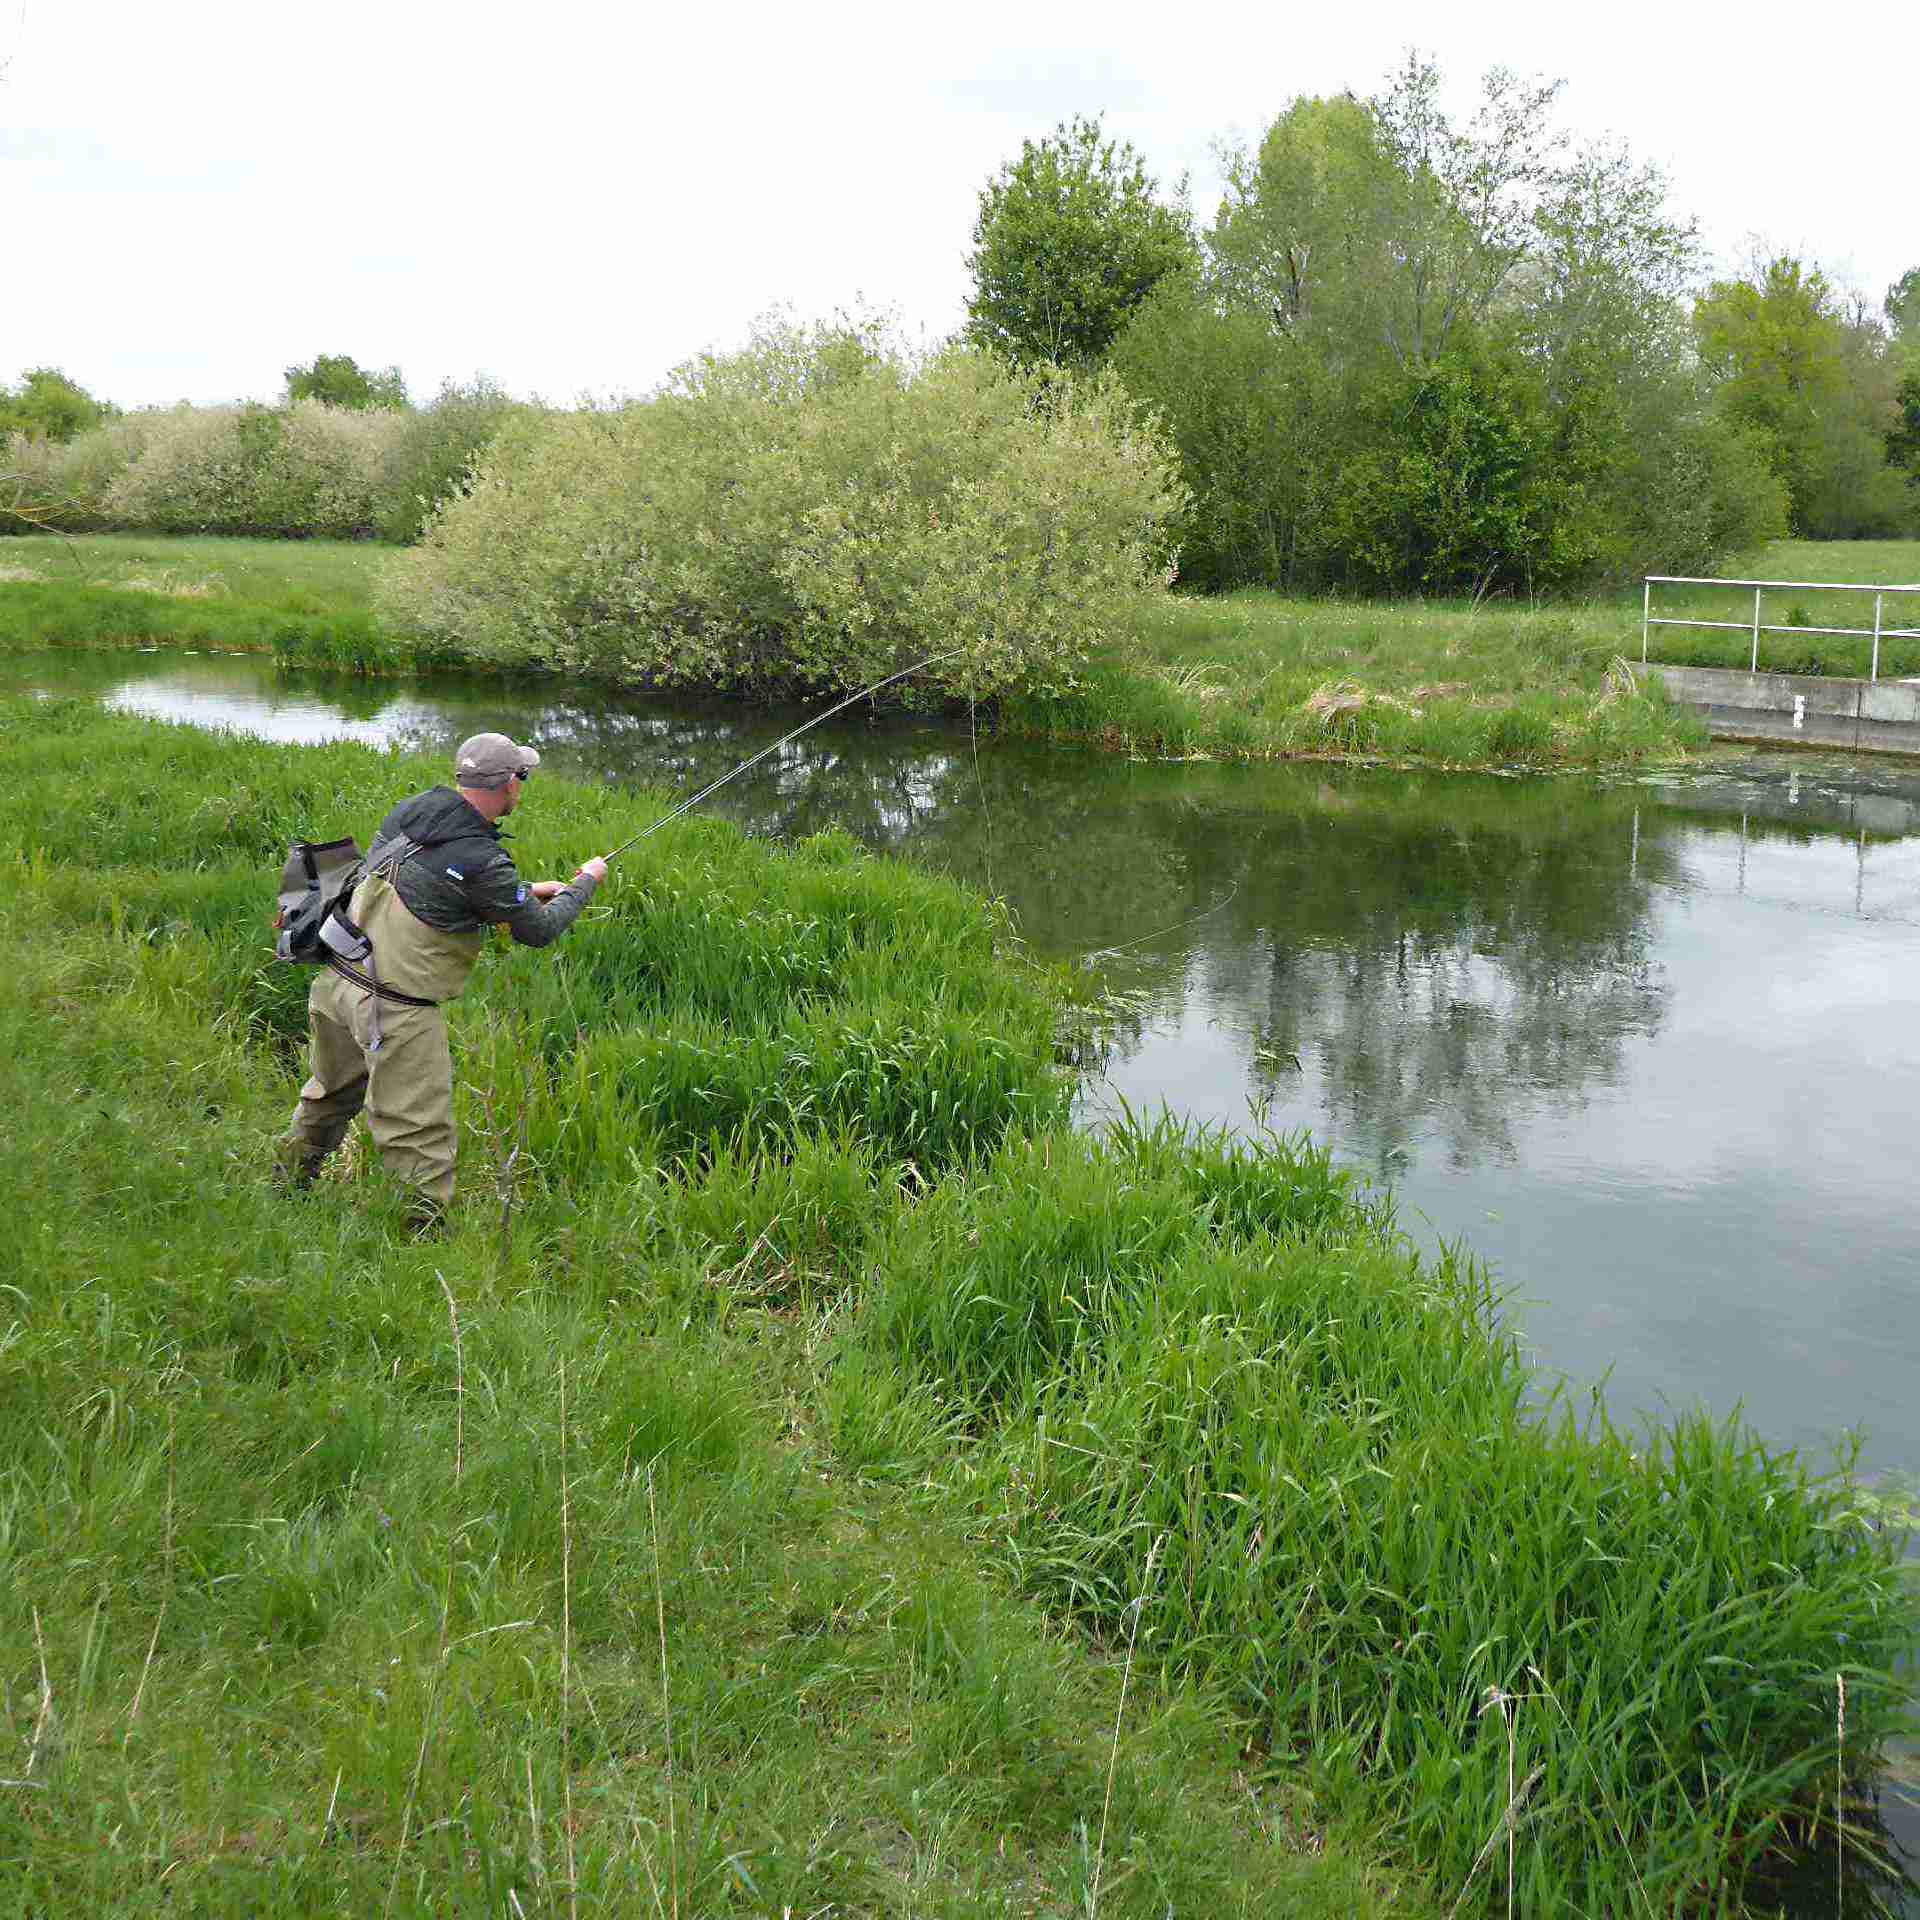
x: 1650, y: 1044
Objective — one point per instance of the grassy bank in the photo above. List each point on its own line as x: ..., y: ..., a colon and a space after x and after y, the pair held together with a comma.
x: 1248, y: 675
x: 768, y: 1495
x: 307, y: 602
x: 1251, y: 675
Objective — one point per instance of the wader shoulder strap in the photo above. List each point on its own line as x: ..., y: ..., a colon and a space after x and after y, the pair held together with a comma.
x: 398, y: 851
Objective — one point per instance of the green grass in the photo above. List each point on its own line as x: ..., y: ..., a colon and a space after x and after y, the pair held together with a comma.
x: 816, y: 1474
x: 1251, y: 675
x: 292, y: 576
x: 315, y: 1602
x: 1214, y: 1386
x: 308, y: 602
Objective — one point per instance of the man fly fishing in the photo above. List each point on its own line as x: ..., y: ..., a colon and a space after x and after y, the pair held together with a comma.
x: 436, y: 878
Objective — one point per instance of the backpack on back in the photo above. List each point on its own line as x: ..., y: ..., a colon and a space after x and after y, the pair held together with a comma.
x: 316, y: 886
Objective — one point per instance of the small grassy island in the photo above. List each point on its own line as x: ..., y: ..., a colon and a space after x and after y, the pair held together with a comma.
x: 811, y: 1475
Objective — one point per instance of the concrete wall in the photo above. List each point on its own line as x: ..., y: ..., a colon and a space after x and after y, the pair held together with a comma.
x: 1804, y: 709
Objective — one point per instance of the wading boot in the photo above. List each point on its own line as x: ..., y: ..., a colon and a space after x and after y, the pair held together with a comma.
x: 294, y: 1171
x: 427, y: 1220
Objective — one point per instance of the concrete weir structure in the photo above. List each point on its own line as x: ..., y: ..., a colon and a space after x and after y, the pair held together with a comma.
x: 1798, y: 709
x: 1874, y: 715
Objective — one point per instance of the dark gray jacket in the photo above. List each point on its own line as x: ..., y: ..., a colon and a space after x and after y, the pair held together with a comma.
x: 465, y: 879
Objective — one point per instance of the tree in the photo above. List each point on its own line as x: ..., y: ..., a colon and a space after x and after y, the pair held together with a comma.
x: 1305, y: 233
x: 1438, y: 352
x: 1903, y: 437
x: 339, y: 381
x: 1464, y: 201
x: 1792, y: 361
x: 1385, y: 219
x: 48, y: 406
x: 1903, y: 310
x: 1256, y: 418
x: 1069, y: 241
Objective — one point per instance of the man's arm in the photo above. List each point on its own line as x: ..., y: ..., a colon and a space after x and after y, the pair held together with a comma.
x: 535, y: 916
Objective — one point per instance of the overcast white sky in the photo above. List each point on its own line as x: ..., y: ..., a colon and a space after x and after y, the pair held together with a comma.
x: 573, y: 198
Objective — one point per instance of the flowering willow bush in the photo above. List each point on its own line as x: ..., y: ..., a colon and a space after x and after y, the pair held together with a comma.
x: 813, y: 512
x: 307, y: 468
x: 62, y: 484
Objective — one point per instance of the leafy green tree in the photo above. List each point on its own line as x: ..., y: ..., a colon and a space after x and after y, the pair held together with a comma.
x: 1070, y: 239
x: 1257, y: 418
x: 1791, y: 361
x: 1462, y: 217
x: 1440, y: 353
x: 48, y: 406
x: 1458, y: 490
x: 1383, y: 219
x: 1903, y: 322
x: 1903, y: 437
x: 1305, y: 233
x: 338, y: 381
x: 1903, y: 309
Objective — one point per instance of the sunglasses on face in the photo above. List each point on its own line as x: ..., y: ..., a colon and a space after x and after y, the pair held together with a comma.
x: 524, y: 775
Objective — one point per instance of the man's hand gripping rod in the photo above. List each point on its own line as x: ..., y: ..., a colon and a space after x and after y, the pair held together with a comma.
x: 865, y: 693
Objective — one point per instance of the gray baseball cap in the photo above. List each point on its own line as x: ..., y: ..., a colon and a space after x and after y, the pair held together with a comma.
x: 490, y: 760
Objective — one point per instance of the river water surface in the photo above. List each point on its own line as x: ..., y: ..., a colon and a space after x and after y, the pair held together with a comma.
x: 1649, y: 1044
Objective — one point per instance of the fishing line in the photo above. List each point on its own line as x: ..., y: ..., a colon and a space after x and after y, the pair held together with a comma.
x: 1105, y: 953
x: 713, y: 787
x: 973, y: 723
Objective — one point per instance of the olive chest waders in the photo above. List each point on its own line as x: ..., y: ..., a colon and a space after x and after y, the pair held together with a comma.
x: 380, y: 1036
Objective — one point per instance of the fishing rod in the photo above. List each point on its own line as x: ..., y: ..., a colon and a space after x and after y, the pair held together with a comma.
x: 865, y: 693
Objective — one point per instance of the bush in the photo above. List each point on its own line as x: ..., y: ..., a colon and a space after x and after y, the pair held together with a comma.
x: 433, y: 454
x: 28, y: 485
x: 303, y: 469
x: 813, y: 512
x: 1694, y: 495
x: 1458, y: 490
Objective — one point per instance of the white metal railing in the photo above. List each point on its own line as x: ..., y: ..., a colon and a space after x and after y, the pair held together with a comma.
x: 1877, y: 632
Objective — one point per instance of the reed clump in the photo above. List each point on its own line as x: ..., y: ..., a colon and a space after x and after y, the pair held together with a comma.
x: 1370, y: 1519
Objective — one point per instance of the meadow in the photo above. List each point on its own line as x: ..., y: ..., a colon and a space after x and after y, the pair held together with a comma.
x: 810, y: 1476
x: 304, y: 601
